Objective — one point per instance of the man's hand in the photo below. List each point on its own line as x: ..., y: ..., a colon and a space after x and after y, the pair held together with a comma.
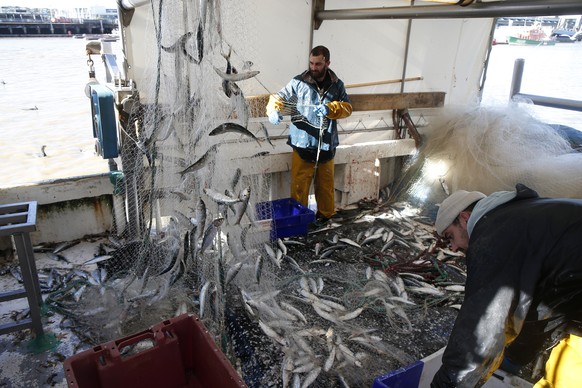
x: 277, y: 102
x: 275, y: 118
x: 321, y: 110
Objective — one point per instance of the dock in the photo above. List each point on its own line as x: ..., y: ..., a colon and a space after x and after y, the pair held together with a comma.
x: 51, y: 29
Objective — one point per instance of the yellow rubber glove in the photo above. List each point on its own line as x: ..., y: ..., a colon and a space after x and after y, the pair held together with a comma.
x: 339, y: 109
x: 275, y: 103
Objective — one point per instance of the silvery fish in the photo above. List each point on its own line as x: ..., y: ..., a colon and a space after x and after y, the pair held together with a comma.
x: 229, y: 87
x: 200, y: 215
x: 97, y: 259
x: 176, y: 275
x: 350, y: 242
x: 242, y: 208
x: 258, y: 268
x: 203, y: 297
x: 272, y: 333
x: 199, y: 46
x: 65, y: 245
x: 232, y: 272
x: 235, y: 178
x: 232, y: 127
x: 210, y: 233
x: 311, y: 377
x: 179, y: 45
x: 221, y: 198
x: 200, y: 162
x: 266, y: 134
x: 234, y: 77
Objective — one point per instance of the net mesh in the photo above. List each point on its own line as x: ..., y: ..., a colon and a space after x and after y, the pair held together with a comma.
x: 490, y: 148
x: 191, y: 208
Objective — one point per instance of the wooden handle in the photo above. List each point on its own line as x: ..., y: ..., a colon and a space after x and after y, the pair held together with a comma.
x: 390, y: 81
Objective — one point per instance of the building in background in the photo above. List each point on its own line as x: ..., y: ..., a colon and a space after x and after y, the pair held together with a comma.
x: 57, y: 15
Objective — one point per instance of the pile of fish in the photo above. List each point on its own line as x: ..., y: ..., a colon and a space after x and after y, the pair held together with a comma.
x: 324, y: 301
x: 329, y: 298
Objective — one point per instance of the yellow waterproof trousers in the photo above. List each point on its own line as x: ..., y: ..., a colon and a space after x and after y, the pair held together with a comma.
x: 301, y: 176
x: 564, y: 366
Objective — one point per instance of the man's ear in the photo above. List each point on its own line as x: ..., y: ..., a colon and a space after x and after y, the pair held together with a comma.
x: 464, y: 215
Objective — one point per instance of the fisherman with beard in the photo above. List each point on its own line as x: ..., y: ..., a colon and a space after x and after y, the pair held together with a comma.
x: 315, y: 100
x: 523, y: 288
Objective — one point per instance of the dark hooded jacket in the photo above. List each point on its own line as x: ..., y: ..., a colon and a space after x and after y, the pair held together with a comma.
x: 524, y: 285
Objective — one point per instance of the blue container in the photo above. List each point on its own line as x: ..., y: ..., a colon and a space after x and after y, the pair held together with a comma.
x: 407, y: 377
x: 289, y: 217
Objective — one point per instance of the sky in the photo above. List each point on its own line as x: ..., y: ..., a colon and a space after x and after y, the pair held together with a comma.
x: 59, y: 3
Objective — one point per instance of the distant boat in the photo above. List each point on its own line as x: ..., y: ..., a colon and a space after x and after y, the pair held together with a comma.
x: 532, y: 37
x: 564, y: 39
x: 564, y: 36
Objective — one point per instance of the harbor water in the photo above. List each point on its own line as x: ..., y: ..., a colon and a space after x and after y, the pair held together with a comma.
x: 43, y: 105
x: 44, y: 110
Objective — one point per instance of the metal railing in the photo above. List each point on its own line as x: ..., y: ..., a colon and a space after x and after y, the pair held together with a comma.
x: 551, y: 102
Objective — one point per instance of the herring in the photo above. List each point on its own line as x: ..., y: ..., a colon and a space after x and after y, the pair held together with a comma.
x: 234, y: 77
x: 201, y: 162
x: 235, y: 128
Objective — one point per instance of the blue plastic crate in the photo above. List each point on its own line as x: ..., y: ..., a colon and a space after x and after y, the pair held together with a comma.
x: 407, y: 377
x: 289, y: 217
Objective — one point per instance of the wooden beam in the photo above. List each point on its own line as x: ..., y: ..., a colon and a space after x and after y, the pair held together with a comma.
x: 386, y: 101
x: 368, y: 102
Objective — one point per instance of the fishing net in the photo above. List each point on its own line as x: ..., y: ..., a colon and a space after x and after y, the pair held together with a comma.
x: 491, y: 148
x: 186, y: 193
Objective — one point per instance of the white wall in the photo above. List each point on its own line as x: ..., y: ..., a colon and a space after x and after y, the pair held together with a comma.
x: 275, y: 35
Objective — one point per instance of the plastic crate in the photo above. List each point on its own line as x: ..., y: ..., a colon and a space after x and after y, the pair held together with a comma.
x: 182, y: 354
x: 420, y: 374
x: 288, y: 217
x: 407, y: 377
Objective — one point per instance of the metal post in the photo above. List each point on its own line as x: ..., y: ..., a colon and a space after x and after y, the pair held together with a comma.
x: 30, y: 279
x: 517, y: 75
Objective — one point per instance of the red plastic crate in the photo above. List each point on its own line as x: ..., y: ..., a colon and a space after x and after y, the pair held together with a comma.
x: 182, y: 354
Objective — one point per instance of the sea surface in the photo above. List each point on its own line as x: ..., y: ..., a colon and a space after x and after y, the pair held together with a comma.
x: 551, y: 71
x: 43, y: 103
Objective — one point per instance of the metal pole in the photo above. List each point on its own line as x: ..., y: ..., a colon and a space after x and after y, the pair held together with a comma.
x: 30, y: 279
x: 551, y: 102
x: 475, y: 10
x: 131, y: 4
x: 516, y: 79
x: 406, y: 47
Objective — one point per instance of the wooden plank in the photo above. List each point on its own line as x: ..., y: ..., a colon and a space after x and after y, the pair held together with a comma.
x: 384, y: 101
x: 279, y: 158
x: 368, y: 102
